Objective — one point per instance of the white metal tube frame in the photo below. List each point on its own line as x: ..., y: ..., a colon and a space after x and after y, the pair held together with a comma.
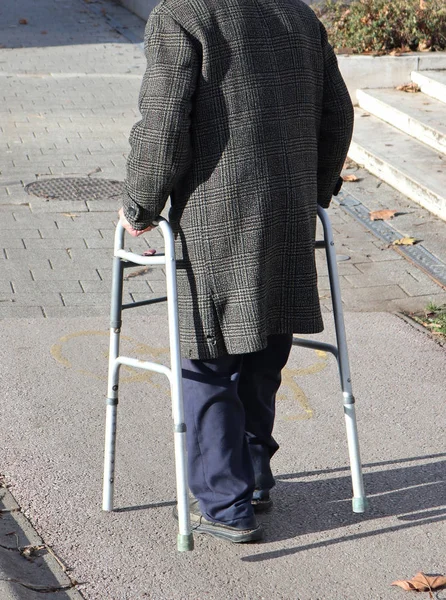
x: 123, y: 259
x: 359, y: 500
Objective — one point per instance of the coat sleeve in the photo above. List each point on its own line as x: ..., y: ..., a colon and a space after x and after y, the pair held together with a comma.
x: 336, y: 126
x: 160, y: 142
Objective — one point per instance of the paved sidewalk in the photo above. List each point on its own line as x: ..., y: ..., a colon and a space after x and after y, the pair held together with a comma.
x: 69, y: 81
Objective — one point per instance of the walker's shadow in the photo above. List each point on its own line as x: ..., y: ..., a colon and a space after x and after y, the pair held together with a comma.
x: 145, y: 506
x: 416, y: 494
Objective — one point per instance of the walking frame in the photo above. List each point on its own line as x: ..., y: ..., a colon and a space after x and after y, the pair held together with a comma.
x: 122, y: 260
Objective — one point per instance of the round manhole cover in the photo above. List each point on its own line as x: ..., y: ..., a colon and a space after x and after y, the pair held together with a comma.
x: 76, y: 188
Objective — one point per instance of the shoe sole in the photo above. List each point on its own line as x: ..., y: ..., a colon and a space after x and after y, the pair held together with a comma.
x: 262, y: 506
x: 207, y: 528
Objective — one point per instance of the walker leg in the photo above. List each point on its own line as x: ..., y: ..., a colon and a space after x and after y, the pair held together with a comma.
x: 113, y: 385
x: 359, y: 501
x: 185, y: 540
x: 109, y: 456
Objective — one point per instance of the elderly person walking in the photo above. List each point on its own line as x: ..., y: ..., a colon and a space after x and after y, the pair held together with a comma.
x: 246, y: 123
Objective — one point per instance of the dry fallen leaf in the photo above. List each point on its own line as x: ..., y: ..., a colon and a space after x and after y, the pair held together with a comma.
x: 344, y: 50
x: 411, y: 88
x: 137, y: 273
x: 23, y: 21
x: 70, y: 215
x: 405, y: 241
x: 349, y: 163
x: 29, y: 551
x: 382, y: 215
x: 44, y: 32
x: 350, y: 177
x: 399, y: 51
x: 422, y: 583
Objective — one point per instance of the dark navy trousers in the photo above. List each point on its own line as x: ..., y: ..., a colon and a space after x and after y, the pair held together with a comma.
x: 229, y: 407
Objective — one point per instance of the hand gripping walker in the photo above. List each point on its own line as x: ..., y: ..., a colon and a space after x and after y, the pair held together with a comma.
x: 359, y: 500
x: 121, y: 261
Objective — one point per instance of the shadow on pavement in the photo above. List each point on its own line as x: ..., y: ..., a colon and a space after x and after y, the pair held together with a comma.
x: 415, y: 494
x: 27, y: 569
x: 145, y: 506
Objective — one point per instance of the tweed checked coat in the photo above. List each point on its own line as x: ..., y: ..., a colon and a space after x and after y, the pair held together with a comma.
x: 246, y: 123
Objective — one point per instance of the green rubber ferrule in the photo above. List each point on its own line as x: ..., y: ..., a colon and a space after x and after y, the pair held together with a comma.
x: 359, y: 505
x: 185, y: 542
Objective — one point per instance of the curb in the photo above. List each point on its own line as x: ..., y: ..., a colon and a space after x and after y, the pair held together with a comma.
x: 419, y: 327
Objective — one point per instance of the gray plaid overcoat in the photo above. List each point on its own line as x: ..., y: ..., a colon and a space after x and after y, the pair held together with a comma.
x: 246, y: 123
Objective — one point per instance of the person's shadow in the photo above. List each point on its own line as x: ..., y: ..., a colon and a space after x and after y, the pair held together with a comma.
x: 416, y: 494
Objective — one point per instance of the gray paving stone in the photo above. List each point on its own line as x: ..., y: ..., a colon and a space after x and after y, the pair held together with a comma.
x: 104, y: 205
x: 424, y: 286
x: 99, y: 242
x: 70, y: 231
x: 158, y: 286
x: 44, y: 244
x: 92, y: 298
x: 14, y: 311
x: 373, y: 279
x: 30, y: 256
x: 370, y: 295
x: 39, y: 287
x: 5, y: 286
x: 32, y: 299
x: 70, y: 312
x: 57, y: 210
x: 16, y: 242
x: 388, y: 269
x: 86, y: 274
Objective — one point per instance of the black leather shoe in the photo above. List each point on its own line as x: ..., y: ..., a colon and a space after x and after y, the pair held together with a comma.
x: 219, y: 530
x: 261, y: 501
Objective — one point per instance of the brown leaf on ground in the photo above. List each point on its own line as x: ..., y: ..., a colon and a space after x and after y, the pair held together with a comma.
x: 424, y: 46
x: 30, y: 551
x: 411, y: 88
x: 382, y: 215
x: 344, y: 50
x: 23, y: 21
x: 44, y: 32
x: 349, y: 164
x: 137, y: 273
x: 405, y: 241
x: 422, y: 583
x: 399, y: 51
x: 350, y: 177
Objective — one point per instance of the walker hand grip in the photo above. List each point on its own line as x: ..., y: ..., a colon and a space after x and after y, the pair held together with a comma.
x: 138, y: 259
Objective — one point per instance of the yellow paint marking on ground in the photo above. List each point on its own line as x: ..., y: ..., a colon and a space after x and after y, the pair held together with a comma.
x: 288, y: 378
x: 57, y: 351
x: 138, y: 349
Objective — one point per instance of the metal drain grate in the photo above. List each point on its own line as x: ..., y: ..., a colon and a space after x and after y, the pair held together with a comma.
x: 76, y: 188
x: 418, y: 254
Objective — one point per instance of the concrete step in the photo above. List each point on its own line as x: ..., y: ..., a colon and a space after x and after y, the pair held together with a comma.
x: 432, y: 83
x: 411, y: 167
x: 418, y: 115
